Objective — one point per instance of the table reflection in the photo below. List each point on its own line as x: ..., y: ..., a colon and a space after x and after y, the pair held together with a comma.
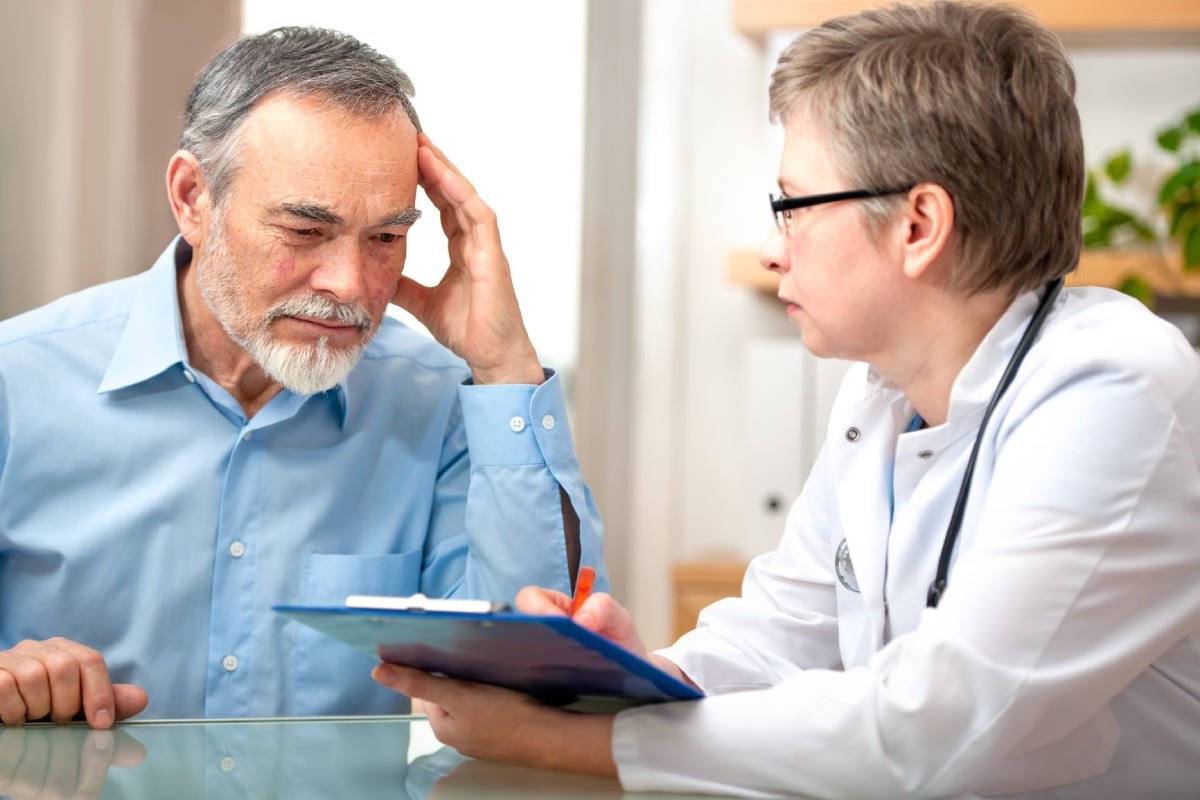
x: 336, y: 757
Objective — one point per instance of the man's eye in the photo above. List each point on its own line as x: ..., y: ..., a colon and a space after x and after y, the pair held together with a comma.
x: 388, y: 238
x: 306, y: 232
x: 787, y: 215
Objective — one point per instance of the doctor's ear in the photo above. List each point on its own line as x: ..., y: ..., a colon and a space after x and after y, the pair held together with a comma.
x: 928, y: 222
x: 188, y: 194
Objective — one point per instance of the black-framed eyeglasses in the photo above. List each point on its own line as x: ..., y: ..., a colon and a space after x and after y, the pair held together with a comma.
x: 782, y: 207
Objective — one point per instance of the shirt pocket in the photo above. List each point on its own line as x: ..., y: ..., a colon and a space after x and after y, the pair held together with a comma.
x: 333, y: 678
x: 328, y: 578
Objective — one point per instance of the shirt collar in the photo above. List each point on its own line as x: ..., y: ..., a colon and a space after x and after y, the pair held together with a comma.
x: 153, y: 342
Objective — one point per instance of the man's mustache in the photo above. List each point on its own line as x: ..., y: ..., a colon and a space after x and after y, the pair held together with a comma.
x: 316, y: 306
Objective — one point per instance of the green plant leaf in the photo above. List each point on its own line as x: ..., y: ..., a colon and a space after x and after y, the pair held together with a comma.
x: 1191, y: 250
x: 1143, y: 231
x: 1181, y: 185
x: 1116, y: 217
x: 1170, y: 139
x: 1138, y: 288
x: 1193, y: 121
x: 1184, y: 214
x: 1089, y: 190
x: 1117, y: 168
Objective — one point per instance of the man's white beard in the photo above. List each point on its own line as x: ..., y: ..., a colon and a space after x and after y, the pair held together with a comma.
x: 306, y: 369
x: 303, y: 369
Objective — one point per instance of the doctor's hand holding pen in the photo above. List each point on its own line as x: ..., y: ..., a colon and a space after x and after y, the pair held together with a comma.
x: 600, y: 614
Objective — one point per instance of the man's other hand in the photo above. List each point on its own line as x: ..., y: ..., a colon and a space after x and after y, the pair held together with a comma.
x: 57, y: 679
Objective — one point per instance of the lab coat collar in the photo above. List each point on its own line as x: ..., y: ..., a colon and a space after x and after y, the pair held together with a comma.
x: 863, y: 436
x: 976, y: 382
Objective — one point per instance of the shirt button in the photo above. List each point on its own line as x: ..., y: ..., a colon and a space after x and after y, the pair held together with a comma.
x: 852, y: 434
x: 548, y: 422
x: 517, y: 424
x: 230, y: 663
x: 246, y: 436
x: 237, y: 549
x: 227, y: 764
x: 190, y: 377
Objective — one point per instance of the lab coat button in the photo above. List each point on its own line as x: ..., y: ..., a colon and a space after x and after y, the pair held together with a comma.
x: 852, y: 434
x: 516, y: 424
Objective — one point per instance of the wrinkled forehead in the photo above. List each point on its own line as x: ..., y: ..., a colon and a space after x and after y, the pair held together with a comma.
x: 302, y: 145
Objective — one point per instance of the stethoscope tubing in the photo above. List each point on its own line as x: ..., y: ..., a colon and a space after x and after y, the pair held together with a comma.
x: 938, y: 587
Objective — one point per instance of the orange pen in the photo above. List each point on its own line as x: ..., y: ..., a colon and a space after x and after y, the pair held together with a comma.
x: 583, y: 587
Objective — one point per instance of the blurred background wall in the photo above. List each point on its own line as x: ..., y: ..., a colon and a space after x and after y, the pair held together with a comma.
x: 91, y: 97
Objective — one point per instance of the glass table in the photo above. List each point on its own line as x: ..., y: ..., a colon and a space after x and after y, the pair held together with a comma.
x: 363, y: 758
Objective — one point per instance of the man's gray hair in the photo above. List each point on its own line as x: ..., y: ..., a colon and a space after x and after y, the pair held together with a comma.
x: 303, y: 61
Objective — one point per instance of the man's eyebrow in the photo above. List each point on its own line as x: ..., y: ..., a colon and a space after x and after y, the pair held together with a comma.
x: 321, y: 214
x: 402, y: 219
x: 309, y: 211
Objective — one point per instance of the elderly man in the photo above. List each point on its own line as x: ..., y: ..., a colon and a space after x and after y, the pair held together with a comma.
x: 241, y: 425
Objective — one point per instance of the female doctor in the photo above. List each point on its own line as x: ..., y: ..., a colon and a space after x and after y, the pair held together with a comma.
x: 991, y: 580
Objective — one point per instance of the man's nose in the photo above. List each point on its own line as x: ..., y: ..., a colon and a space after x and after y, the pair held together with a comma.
x: 339, y: 275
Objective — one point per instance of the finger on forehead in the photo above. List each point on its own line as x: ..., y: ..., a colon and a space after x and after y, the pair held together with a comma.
x: 431, y: 174
x: 423, y: 139
x: 475, y: 216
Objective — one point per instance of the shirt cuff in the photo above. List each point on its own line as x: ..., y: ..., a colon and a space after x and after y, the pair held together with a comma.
x: 516, y: 424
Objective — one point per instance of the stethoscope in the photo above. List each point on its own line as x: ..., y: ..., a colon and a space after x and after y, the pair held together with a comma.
x: 842, y: 563
x: 938, y: 587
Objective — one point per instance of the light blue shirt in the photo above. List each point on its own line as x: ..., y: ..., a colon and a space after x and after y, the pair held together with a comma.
x: 143, y: 515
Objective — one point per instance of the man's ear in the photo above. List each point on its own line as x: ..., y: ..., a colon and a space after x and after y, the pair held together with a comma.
x: 928, y: 221
x: 188, y: 194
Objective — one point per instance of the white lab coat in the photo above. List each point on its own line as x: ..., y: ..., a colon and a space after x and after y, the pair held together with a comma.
x: 1067, y: 646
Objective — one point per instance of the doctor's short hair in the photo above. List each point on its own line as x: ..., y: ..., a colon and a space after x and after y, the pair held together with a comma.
x: 303, y: 61
x: 978, y: 98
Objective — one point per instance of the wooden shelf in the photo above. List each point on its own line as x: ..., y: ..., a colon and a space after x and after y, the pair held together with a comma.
x: 701, y: 583
x: 1170, y: 18
x: 742, y: 268
x: 1096, y: 268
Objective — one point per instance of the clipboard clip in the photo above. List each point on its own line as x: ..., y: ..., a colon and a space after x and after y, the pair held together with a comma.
x: 419, y: 602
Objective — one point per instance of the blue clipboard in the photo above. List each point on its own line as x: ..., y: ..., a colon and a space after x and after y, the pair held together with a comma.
x: 550, y: 658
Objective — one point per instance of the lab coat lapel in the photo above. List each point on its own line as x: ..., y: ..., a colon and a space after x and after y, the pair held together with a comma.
x: 862, y: 443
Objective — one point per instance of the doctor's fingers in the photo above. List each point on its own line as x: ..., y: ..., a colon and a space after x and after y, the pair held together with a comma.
x: 543, y: 602
x: 601, y: 614
x: 75, y: 676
